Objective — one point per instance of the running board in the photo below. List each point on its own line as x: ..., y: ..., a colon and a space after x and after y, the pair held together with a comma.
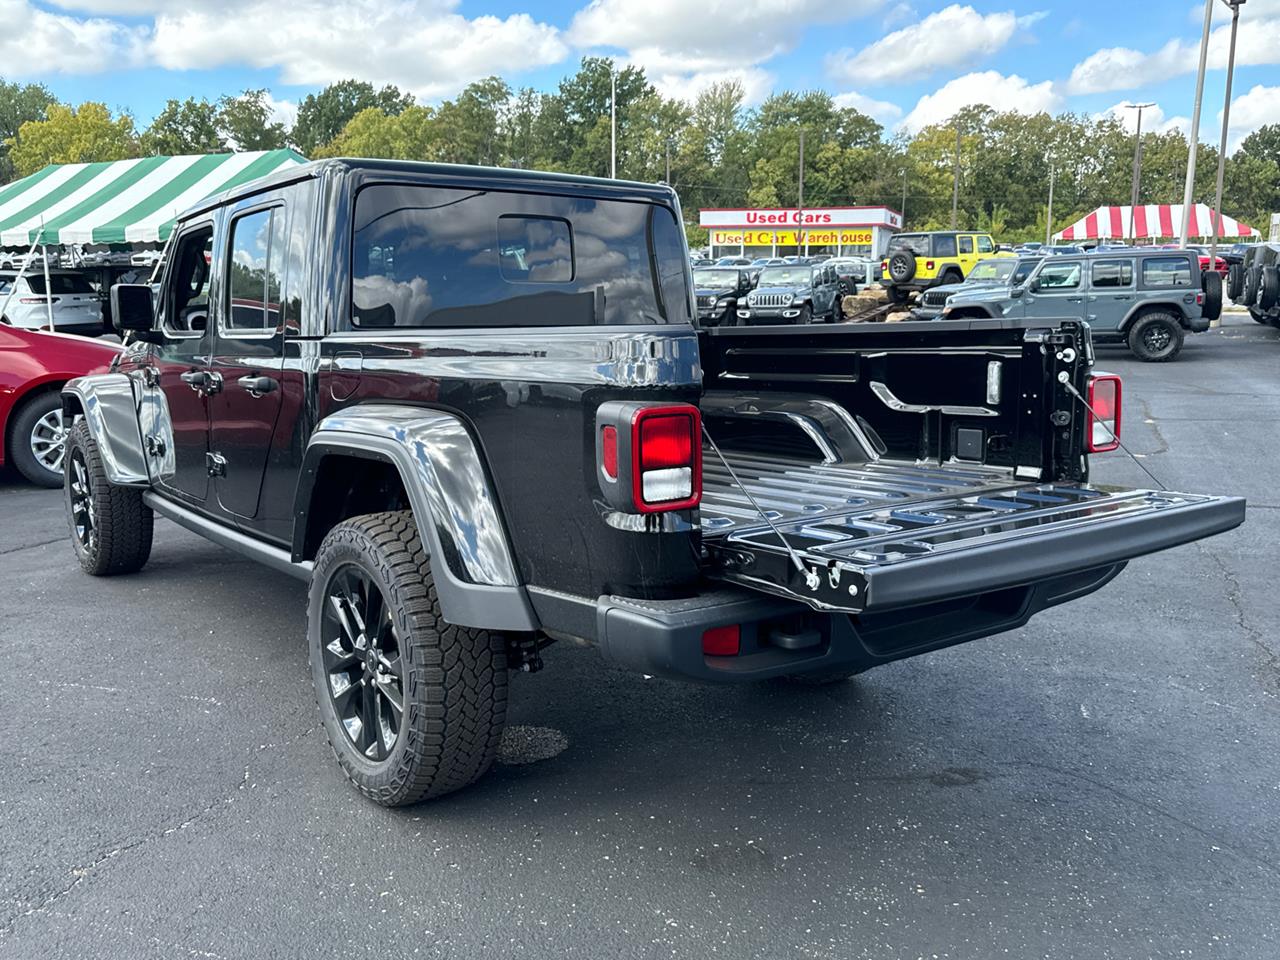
x: 274, y: 557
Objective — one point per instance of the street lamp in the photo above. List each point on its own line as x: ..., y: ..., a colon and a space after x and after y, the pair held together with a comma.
x: 613, y: 122
x: 1216, y: 215
x: 1188, y: 191
x: 903, y: 211
x: 1135, y: 191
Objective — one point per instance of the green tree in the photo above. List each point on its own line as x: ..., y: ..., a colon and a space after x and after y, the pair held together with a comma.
x: 412, y: 134
x: 321, y: 116
x: 182, y: 127
x: 474, y: 122
x: 244, y: 122
x: 18, y: 105
x: 72, y: 135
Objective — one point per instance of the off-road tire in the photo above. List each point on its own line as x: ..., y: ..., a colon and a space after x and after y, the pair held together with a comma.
x: 950, y: 276
x: 1140, y: 332
x: 902, y: 266
x: 1259, y: 316
x: 24, y: 421
x: 1252, y: 280
x: 1211, y: 283
x: 806, y: 316
x: 1269, y: 287
x: 897, y: 295
x: 1235, y: 281
x: 123, y: 523
x: 455, y: 678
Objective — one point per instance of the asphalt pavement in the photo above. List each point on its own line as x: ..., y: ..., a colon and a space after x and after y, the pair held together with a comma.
x: 1102, y: 783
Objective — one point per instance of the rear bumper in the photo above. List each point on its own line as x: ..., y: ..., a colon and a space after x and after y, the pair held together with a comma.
x: 785, y: 638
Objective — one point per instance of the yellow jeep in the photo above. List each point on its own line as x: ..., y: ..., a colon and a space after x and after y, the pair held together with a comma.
x: 918, y: 261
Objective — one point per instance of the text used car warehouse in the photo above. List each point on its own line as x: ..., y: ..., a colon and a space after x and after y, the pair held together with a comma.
x: 863, y: 231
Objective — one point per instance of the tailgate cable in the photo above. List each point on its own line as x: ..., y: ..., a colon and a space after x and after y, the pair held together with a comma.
x: 810, y: 577
x: 1070, y: 387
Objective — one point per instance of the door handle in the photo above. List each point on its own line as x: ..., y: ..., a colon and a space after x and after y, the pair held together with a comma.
x: 258, y: 386
x: 202, y: 380
x: 1075, y: 299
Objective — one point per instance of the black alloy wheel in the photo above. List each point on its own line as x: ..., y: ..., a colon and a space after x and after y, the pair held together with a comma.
x: 363, y: 662
x: 84, y: 522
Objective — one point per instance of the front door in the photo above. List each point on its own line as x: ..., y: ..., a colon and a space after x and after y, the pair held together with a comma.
x: 1111, y: 293
x: 248, y: 358
x: 178, y: 440
x: 1058, y: 291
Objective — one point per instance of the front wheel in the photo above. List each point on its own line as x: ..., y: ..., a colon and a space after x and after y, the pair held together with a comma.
x: 111, y: 526
x: 1156, y: 338
x: 413, y: 706
x: 806, y: 315
x: 39, y: 440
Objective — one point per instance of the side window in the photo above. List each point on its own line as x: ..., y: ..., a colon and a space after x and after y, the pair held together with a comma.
x: 254, y: 278
x: 667, y: 245
x: 186, y: 305
x: 944, y: 246
x: 985, y: 245
x: 1060, y: 276
x: 966, y: 244
x: 1112, y: 273
x: 1166, y: 272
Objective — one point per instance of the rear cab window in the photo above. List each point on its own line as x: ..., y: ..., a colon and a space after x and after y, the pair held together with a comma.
x: 944, y: 245
x: 1166, y: 272
x: 426, y: 256
x: 1111, y: 273
x: 917, y: 243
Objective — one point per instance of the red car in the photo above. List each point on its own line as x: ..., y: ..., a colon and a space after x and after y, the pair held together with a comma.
x: 33, y: 367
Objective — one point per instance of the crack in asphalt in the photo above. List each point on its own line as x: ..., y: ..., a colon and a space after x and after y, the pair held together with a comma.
x: 82, y: 873
x: 1271, y: 659
x: 1150, y: 420
x: 31, y: 546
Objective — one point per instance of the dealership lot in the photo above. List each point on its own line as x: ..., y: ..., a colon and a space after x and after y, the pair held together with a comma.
x: 1101, y: 783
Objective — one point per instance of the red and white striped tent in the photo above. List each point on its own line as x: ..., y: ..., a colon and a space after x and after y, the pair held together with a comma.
x: 1152, y: 221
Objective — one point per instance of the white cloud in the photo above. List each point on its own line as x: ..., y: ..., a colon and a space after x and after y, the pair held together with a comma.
x: 1123, y: 68
x: 993, y: 89
x: 420, y: 47
x: 282, y: 111
x: 684, y: 46
x: 756, y: 83
x: 881, y: 110
x: 953, y: 37
x: 36, y: 42
x: 1153, y: 119
x: 1251, y: 110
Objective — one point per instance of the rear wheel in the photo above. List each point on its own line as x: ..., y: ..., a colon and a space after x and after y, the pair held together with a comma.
x: 1269, y: 287
x: 897, y: 295
x: 1156, y: 337
x: 1249, y: 296
x: 1235, y: 281
x: 38, y: 440
x: 110, y: 526
x: 413, y: 706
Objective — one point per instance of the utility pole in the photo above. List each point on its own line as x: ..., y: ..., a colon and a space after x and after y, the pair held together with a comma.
x: 1136, y: 190
x: 800, y: 210
x: 955, y: 187
x: 668, y: 180
x: 903, y: 211
x: 613, y: 123
x: 1048, y: 226
x: 1188, y: 191
x: 1226, y: 122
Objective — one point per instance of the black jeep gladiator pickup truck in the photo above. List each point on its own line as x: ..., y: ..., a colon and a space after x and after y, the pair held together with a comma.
x: 472, y: 409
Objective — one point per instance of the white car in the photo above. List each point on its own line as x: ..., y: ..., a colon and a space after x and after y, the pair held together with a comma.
x: 76, y: 305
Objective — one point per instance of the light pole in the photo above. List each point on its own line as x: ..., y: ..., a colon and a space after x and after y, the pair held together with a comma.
x: 1048, y: 226
x: 903, y: 211
x: 1216, y: 214
x: 1193, y: 145
x: 800, y: 199
x: 1136, y: 190
x: 613, y: 123
x: 955, y: 186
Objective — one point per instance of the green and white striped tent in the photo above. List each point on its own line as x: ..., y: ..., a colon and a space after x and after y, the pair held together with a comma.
x: 123, y: 201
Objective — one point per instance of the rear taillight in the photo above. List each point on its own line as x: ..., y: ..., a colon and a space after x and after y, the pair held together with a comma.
x: 649, y: 455
x: 37, y: 299
x: 722, y: 641
x: 1103, y: 424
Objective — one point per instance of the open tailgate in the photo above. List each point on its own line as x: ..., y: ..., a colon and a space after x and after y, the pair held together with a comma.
x: 876, y: 536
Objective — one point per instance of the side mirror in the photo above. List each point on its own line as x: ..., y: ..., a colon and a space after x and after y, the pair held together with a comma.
x: 1033, y: 284
x: 133, y: 310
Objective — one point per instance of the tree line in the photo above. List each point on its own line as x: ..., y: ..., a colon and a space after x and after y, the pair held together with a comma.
x: 714, y: 150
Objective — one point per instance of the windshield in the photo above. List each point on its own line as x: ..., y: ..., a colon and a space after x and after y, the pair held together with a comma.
x: 720, y: 279
x: 1000, y: 269
x: 789, y: 276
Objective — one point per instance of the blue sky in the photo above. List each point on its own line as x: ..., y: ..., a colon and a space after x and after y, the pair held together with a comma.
x: 907, y: 62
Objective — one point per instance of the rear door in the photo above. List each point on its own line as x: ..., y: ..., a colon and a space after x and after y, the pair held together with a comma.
x: 1111, y: 293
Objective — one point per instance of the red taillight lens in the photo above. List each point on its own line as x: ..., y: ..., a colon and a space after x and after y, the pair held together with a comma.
x: 609, y: 451
x: 1103, y: 424
x: 722, y: 641
x: 928, y: 264
x: 666, y: 451
x: 666, y: 441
